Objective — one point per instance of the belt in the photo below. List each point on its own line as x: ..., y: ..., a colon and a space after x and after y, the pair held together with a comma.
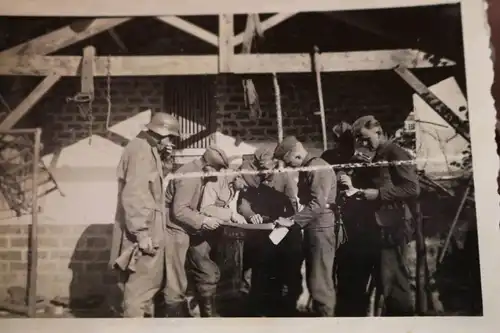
x: 331, y: 206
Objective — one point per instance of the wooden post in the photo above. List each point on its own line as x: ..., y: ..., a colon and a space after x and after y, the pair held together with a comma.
x: 29, y: 102
x: 317, y: 69
x: 33, y: 249
x: 279, y: 115
x: 226, y: 47
x: 87, y: 79
x: 455, y: 220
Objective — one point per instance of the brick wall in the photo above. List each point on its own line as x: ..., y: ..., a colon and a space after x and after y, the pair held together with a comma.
x: 72, y: 259
x: 347, y: 96
x: 74, y: 240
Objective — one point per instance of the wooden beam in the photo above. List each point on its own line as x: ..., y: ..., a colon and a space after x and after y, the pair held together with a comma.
x: 119, y: 65
x: 209, y: 64
x: 117, y: 8
x: 226, y: 47
x: 265, y: 25
x: 23, y: 108
x: 191, y: 29
x: 64, y: 37
x: 116, y: 37
x: 334, y: 61
x: 460, y: 126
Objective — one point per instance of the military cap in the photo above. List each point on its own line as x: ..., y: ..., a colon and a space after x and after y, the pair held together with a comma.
x: 216, y: 157
x: 361, y: 123
x: 285, y: 146
x: 264, y: 153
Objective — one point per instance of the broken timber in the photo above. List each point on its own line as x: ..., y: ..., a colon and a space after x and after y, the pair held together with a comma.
x: 460, y: 126
x: 37, y: 65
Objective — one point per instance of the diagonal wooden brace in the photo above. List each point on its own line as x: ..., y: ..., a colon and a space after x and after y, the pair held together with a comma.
x: 434, y: 102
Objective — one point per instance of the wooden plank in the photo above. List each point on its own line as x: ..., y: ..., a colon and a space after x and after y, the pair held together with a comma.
x: 116, y: 8
x: 226, y: 47
x: 23, y: 108
x: 265, y: 25
x: 191, y: 29
x: 87, y: 79
x: 334, y: 61
x: 434, y: 102
x: 119, y: 66
x: 208, y: 64
x: 64, y: 37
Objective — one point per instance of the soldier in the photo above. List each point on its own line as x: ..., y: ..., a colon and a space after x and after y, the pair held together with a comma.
x: 190, y: 237
x: 138, y: 246
x: 391, y: 196
x: 317, y: 192
x: 354, y: 260
x: 268, y: 197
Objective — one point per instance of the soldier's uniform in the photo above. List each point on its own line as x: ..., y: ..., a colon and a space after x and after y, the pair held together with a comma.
x: 140, y: 214
x: 276, y: 280
x: 186, y: 243
x: 398, y: 187
x: 317, y: 190
x: 354, y: 260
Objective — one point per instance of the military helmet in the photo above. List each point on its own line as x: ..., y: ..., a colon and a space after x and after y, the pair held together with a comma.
x: 164, y: 124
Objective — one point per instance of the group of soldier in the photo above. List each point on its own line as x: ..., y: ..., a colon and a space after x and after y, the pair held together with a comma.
x: 168, y: 224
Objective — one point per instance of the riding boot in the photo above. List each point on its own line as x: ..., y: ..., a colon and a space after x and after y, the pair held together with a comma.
x: 208, y: 307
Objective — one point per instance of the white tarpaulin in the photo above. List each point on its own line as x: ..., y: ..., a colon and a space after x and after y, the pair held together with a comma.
x: 435, y: 139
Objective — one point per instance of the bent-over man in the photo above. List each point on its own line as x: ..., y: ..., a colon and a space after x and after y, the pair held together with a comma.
x: 138, y: 245
x: 190, y: 236
x: 276, y: 280
x: 317, y: 191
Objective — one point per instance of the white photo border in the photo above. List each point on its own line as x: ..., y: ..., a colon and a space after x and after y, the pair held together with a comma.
x: 479, y: 72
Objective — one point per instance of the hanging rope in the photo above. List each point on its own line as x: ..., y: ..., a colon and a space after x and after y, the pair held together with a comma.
x: 108, y: 92
x: 252, y: 30
x: 279, y: 115
x: 317, y: 69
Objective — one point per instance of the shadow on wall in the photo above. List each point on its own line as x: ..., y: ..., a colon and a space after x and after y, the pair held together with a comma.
x: 93, y: 283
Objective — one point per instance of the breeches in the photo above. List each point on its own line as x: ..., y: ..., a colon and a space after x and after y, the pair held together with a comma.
x: 203, y: 270
x: 177, y: 244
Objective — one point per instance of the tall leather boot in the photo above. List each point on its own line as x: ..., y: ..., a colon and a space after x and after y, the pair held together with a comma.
x: 208, y: 307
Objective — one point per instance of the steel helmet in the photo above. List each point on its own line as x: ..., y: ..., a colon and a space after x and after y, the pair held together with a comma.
x: 164, y: 124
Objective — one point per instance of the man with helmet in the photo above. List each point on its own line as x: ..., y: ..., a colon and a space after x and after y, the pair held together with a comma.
x: 138, y: 245
x: 190, y: 236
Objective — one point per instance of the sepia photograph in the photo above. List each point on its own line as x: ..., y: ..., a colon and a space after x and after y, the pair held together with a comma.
x: 252, y: 165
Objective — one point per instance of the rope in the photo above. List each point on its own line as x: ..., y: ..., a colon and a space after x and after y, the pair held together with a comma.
x: 301, y: 169
x: 108, y: 92
x: 279, y: 115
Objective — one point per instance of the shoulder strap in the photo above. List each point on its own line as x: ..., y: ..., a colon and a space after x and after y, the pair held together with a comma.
x: 310, y: 161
